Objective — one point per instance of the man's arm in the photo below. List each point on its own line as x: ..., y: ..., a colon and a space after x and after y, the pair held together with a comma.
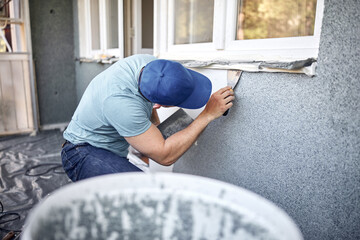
x: 155, y: 121
x: 152, y: 144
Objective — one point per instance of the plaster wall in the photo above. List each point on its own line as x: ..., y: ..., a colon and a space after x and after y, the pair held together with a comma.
x: 85, y: 72
x: 52, y: 35
x: 294, y: 139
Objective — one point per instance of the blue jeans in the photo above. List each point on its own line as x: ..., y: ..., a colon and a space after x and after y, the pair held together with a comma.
x: 82, y: 161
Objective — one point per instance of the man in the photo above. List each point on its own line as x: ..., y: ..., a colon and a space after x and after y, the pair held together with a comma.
x: 116, y: 110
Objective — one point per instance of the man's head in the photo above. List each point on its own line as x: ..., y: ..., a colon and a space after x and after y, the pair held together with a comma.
x: 169, y: 83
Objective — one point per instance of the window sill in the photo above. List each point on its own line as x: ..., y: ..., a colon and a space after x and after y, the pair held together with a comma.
x: 102, y: 60
x: 306, y: 66
x: 294, y: 61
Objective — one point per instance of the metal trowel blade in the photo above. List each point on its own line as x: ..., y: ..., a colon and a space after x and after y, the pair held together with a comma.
x: 176, y: 122
x: 233, y: 77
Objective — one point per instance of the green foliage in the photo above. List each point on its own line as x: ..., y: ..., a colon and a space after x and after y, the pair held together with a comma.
x: 259, y: 19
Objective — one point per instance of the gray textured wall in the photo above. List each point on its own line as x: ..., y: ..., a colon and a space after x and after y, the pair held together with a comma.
x: 53, y: 48
x: 296, y: 140
x: 85, y: 72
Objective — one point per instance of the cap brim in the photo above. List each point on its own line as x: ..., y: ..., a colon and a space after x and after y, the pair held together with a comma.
x: 201, y: 93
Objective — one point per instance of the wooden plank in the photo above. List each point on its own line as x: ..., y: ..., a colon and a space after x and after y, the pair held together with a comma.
x: 2, y: 123
x: 14, y: 56
x: 8, y: 99
x: 19, y: 93
x: 8, y: 133
x: 27, y: 85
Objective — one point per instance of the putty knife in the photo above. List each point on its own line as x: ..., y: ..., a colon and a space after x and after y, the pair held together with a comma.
x: 233, y: 77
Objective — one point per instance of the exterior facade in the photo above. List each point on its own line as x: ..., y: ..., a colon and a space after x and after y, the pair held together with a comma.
x: 291, y: 138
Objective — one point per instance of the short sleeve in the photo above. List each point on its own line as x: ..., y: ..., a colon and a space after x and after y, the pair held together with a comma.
x: 127, y: 114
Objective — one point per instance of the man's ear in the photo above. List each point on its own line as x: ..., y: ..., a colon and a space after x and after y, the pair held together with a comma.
x: 156, y: 106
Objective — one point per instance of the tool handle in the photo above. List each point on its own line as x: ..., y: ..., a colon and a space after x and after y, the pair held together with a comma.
x: 226, y: 112
x: 9, y: 235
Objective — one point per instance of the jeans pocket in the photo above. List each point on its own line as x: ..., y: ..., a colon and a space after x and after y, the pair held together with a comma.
x: 70, y: 159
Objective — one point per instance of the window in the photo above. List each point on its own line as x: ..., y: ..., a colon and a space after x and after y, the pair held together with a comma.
x: 193, y: 21
x: 238, y: 29
x: 258, y: 19
x: 12, y: 33
x: 101, y: 28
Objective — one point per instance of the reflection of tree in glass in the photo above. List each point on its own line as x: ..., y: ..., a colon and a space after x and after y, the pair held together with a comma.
x: 5, y: 37
x: 2, y: 43
x: 259, y: 19
x: 193, y: 21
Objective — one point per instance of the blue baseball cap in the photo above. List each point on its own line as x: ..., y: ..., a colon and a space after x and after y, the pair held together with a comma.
x: 169, y: 83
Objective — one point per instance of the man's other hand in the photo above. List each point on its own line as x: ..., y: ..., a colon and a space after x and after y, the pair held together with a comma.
x: 219, y: 102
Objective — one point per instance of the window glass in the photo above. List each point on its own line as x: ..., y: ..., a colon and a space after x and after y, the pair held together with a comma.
x: 112, y: 20
x: 193, y: 21
x: 3, y: 41
x: 147, y: 19
x: 11, y: 32
x: 5, y: 35
x: 95, y: 24
x: 259, y: 19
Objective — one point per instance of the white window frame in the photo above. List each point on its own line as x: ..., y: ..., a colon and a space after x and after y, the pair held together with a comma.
x: 85, y: 36
x: 224, y: 45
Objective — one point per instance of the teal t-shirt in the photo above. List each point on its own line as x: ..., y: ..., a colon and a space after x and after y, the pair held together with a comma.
x: 112, y: 108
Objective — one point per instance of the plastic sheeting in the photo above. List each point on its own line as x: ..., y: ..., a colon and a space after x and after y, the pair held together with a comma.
x: 30, y: 169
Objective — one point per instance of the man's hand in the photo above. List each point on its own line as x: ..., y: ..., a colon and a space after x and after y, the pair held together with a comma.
x: 219, y: 102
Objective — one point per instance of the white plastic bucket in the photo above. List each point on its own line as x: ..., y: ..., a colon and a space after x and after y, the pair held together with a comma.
x: 156, y: 206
